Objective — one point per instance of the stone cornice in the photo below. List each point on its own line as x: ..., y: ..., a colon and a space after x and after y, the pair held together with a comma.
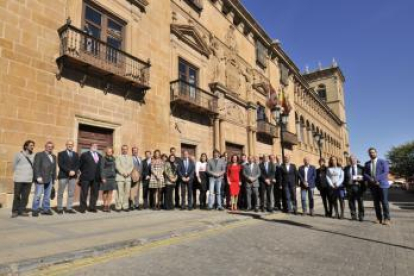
x: 141, y: 4
x: 184, y: 32
x: 323, y: 73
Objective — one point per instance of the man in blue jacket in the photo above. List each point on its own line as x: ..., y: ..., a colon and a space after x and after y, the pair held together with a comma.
x: 376, y: 174
x: 307, y: 177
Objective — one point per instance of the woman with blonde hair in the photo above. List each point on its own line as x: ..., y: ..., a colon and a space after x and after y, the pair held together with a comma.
x: 335, y: 178
x: 108, y: 174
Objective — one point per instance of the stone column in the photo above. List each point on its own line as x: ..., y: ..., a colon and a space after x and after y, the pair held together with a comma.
x: 216, y: 131
x: 222, y: 137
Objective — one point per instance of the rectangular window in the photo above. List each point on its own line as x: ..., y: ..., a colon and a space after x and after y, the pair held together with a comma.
x: 104, y: 27
x: 195, y: 4
x: 261, y: 54
x: 261, y: 113
x: 189, y: 75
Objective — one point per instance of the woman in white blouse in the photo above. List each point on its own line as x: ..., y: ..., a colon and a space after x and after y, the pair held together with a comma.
x: 202, y: 179
x: 335, y: 178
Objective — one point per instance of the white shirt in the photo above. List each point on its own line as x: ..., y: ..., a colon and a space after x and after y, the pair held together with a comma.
x: 200, y: 167
x: 373, y: 163
x: 287, y: 167
x: 306, y: 173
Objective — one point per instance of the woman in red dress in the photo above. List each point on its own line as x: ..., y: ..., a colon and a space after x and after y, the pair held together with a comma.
x: 233, y: 179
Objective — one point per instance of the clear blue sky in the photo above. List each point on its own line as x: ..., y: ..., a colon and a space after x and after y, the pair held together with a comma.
x: 373, y: 41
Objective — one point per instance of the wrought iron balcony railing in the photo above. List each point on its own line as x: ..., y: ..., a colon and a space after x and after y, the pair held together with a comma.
x: 193, y: 97
x: 80, y: 50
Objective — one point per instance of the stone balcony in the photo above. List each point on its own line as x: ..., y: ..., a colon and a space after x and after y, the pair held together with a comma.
x: 188, y: 96
x: 93, y: 59
x: 266, y: 128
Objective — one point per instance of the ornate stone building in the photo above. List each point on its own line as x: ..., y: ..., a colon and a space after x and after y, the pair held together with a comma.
x: 194, y: 74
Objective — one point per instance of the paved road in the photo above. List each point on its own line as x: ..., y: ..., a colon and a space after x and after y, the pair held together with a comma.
x: 278, y: 245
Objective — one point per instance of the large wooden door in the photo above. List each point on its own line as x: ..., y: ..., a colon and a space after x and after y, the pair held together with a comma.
x: 190, y: 148
x: 91, y: 134
x: 234, y: 149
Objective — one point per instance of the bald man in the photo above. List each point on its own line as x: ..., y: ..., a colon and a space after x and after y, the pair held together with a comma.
x: 68, y: 162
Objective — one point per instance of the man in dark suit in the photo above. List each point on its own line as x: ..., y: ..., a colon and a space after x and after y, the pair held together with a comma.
x: 146, y: 176
x: 278, y: 189
x: 242, y: 195
x: 44, y: 174
x: 376, y: 174
x: 251, y: 173
x: 177, y: 191
x: 68, y: 162
x: 89, y: 178
x: 267, y: 176
x: 288, y: 177
x: 186, y: 173
x: 355, y: 187
x: 307, y: 177
x: 324, y: 188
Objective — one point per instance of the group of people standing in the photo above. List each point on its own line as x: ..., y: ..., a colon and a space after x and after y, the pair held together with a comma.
x: 169, y: 182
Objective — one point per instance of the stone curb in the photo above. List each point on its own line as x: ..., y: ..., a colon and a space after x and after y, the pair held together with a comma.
x: 15, y: 268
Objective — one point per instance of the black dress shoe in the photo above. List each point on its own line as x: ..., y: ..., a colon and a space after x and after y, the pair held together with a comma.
x: 82, y: 211
x: 47, y: 213
x: 126, y: 210
x: 35, y: 214
x: 138, y: 208
x: 60, y: 212
x: 70, y: 211
x: 93, y: 211
x: 256, y: 210
x: 24, y: 214
x: 14, y: 215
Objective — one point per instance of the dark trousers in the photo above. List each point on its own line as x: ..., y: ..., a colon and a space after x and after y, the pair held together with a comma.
x: 326, y: 195
x: 21, y: 196
x: 93, y: 197
x: 338, y: 195
x: 267, y: 196
x: 168, y: 197
x: 278, y: 194
x: 242, y: 204
x: 146, y: 194
x: 290, y: 197
x: 380, y: 197
x: 203, y: 187
x: 355, y: 194
x: 187, y: 191
x: 177, y: 193
x: 224, y: 189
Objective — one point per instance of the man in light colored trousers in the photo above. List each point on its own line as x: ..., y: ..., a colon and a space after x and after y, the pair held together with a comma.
x: 124, y: 166
x: 216, y: 168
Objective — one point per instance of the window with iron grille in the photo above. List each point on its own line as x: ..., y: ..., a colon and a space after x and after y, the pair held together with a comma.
x: 261, y: 54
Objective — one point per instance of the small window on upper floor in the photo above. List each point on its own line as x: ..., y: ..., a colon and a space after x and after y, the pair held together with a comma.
x: 322, y: 92
x: 261, y: 53
x: 261, y: 113
x: 103, y: 26
x: 195, y: 4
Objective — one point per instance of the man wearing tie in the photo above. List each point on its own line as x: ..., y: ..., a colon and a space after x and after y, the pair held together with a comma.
x: 44, y: 174
x: 186, y: 174
x: 216, y: 168
x: 89, y: 178
x: 134, y: 201
x: 124, y: 165
x: 267, y: 176
x: 68, y: 162
x: 355, y: 187
x: 278, y: 189
x: 288, y: 178
x: 146, y: 176
x: 242, y: 194
x: 251, y: 172
x: 376, y: 174
x: 307, y: 177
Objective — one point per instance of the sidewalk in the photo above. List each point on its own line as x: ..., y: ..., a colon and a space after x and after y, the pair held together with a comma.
x: 30, y: 243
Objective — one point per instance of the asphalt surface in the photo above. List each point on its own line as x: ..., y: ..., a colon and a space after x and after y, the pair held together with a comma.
x: 275, y: 245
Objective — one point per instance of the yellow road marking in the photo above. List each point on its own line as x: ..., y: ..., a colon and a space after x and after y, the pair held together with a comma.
x: 61, y: 269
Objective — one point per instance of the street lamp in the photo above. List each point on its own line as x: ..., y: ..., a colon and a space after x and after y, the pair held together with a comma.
x: 319, y: 140
x: 281, y: 119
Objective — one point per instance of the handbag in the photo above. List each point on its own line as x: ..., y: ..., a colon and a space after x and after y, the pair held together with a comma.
x: 53, y: 193
x: 135, y: 175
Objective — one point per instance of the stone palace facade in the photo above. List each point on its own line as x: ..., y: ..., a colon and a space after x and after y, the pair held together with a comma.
x: 194, y: 74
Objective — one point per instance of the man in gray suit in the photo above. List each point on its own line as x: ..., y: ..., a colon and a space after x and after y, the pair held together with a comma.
x: 138, y: 167
x: 124, y: 166
x: 216, y: 168
x: 44, y: 175
x: 251, y: 173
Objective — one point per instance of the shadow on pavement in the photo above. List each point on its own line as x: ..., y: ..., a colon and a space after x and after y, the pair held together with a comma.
x: 312, y: 228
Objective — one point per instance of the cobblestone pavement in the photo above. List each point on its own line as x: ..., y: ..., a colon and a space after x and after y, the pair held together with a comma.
x: 275, y: 245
